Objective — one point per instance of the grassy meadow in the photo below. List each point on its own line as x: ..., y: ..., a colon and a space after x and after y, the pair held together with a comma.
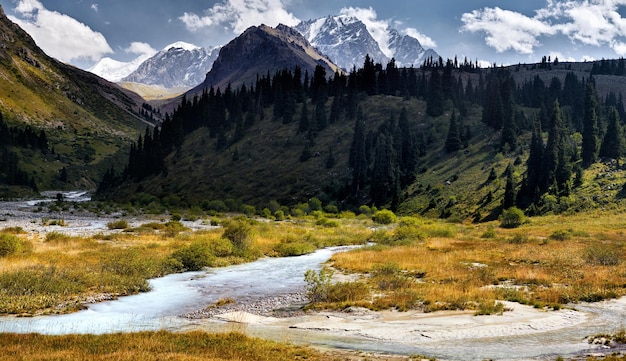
x: 148, y: 346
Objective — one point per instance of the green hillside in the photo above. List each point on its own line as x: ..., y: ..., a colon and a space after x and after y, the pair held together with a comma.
x: 245, y: 147
x: 87, y: 120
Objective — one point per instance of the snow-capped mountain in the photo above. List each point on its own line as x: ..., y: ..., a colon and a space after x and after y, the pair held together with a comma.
x: 178, y: 65
x: 407, y: 50
x: 114, y: 70
x: 346, y: 41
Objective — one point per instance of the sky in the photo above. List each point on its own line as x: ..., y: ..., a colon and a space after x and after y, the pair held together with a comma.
x: 81, y: 32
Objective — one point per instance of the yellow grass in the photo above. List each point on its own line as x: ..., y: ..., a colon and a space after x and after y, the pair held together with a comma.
x: 76, y: 268
x: 526, y: 264
x: 149, y: 346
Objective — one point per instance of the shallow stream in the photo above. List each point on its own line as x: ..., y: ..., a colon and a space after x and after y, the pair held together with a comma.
x: 177, y: 294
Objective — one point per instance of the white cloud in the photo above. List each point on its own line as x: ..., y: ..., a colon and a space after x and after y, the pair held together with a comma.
x: 140, y: 48
x: 94, y: 7
x: 378, y: 28
x: 425, y: 40
x: 506, y: 29
x: 239, y: 15
x: 588, y: 22
x: 59, y: 35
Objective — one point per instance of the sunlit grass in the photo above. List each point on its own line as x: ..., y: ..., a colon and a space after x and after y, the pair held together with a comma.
x: 149, y: 346
x: 461, y: 269
x: 56, y: 273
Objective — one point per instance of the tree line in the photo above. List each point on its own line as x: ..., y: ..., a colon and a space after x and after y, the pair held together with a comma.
x: 384, y: 160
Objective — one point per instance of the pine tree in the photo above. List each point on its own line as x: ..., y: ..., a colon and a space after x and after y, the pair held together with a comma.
x: 358, y: 156
x: 510, y: 196
x: 303, y: 125
x: 590, y: 128
x: 435, y: 99
x: 612, y: 144
x: 453, y: 140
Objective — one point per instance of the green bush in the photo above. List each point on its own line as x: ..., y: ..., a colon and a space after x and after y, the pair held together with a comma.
x: 195, y: 256
x: 9, y: 244
x: 325, y: 222
x: 239, y: 232
x: 119, y: 224
x: 290, y: 249
x: 560, y: 235
x: 409, y: 229
x: 318, y: 284
x: 512, y: 218
x: 384, y: 216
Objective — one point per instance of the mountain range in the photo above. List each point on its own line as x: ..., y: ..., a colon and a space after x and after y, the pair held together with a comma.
x: 344, y: 40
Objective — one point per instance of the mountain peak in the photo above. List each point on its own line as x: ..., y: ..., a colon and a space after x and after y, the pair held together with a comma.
x: 182, y: 45
x: 347, y: 41
x: 262, y: 49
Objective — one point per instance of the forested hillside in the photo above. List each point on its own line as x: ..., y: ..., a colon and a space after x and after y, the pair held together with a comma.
x: 448, y: 139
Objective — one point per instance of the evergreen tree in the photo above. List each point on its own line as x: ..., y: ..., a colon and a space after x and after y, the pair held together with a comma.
x: 385, y: 185
x: 435, y: 99
x: 553, y: 147
x: 612, y: 144
x: 510, y: 196
x: 532, y: 184
x: 358, y: 157
x: 453, y: 140
x: 303, y: 125
x: 590, y: 128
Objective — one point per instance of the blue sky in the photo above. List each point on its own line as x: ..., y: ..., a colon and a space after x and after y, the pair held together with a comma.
x: 503, y: 32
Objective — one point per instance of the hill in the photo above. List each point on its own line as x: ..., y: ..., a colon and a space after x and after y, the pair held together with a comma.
x: 447, y: 140
x: 86, y: 119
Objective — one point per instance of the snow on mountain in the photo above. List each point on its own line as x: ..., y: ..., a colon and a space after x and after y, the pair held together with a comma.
x: 114, y: 70
x: 178, y: 65
x: 182, y: 45
x: 346, y: 41
x: 407, y: 50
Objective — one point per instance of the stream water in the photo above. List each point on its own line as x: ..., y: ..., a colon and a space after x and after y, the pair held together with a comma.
x: 177, y: 294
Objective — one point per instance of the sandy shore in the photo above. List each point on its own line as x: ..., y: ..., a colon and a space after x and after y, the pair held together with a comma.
x: 418, y: 327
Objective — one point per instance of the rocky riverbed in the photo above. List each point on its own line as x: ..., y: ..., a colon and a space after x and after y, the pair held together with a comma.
x: 287, y: 305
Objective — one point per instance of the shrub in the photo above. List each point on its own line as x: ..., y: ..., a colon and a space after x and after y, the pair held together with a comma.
x: 239, y: 232
x: 221, y: 247
x: 384, y: 216
x: 119, y: 224
x: 195, y: 256
x: 560, y: 235
x: 512, y: 218
x: 489, y: 233
x: 290, y: 249
x: 348, y: 292
x: 56, y: 237
x: 409, y: 229
x: 9, y: 244
x: 318, y: 284
x: 279, y: 215
x: 332, y: 209
x: 325, y: 222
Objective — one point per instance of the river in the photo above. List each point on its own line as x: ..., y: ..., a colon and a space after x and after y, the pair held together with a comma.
x: 535, y: 335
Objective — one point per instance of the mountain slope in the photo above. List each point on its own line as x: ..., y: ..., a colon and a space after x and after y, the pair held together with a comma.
x: 177, y: 65
x: 262, y: 50
x: 87, y: 119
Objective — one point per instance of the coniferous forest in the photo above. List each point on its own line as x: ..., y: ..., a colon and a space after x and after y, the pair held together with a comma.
x: 550, y: 129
